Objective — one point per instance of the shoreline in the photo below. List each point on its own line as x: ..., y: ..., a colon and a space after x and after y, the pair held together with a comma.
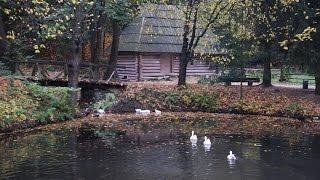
x: 217, y: 123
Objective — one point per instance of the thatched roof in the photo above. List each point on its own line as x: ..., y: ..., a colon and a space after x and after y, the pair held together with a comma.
x: 158, y: 28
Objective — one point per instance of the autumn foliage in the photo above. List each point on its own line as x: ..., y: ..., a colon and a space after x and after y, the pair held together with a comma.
x: 207, y: 98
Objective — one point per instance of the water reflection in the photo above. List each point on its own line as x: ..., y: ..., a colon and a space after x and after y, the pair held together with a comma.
x: 231, y: 163
x: 154, y: 155
x: 193, y: 142
x: 207, y: 147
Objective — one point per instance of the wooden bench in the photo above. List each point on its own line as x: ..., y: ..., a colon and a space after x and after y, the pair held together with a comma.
x: 249, y: 80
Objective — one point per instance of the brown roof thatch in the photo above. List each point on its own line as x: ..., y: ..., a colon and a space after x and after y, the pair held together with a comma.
x: 158, y: 28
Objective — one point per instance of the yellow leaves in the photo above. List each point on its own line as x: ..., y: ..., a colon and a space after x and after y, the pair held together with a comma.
x: 11, y: 35
x: 7, y: 11
x: 289, y: 2
x: 37, y: 48
x: 284, y: 44
x: 75, y: 2
x: 306, y: 34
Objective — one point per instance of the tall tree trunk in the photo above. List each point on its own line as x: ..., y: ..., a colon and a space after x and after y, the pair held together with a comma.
x: 317, y: 77
x: 94, y: 55
x: 3, y: 44
x: 185, y: 55
x: 183, y: 69
x: 114, y: 49
x: 74, y: 65
x: 73, y: 74
x: 266, y: 80
x: 282, y: 76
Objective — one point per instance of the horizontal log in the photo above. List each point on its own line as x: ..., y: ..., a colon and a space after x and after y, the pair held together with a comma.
x: 126, y: 63
x: 151, y: 68
x: 60, y: 63
x: 151, y: 71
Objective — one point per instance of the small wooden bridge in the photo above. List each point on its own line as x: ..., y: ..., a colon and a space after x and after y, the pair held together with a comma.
x: 55, y: 73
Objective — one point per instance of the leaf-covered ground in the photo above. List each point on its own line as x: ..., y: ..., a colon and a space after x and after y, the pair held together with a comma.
x: 194, y: 107
x: 274, y: 101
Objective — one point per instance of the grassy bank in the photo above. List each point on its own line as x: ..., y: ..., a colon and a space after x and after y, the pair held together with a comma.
x: 282, y: 102
x: 27, y: 104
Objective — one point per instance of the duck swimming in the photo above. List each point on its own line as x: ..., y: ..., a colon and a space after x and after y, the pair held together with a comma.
x: 231, y: 156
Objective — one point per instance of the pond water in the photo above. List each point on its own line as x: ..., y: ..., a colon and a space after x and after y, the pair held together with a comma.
x: 154, y: 155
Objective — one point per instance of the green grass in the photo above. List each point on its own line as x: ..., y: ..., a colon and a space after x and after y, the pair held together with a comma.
x: 292, y: 79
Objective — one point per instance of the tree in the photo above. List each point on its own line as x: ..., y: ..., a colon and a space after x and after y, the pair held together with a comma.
x: 304, y: 45
x: 34, y: 23
x: 237, y: 37
x: 120, y: 12
x: 3, y: 44
x: 97, y: 36
x: 199, y: 17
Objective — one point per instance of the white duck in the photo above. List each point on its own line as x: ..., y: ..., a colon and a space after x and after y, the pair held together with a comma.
x: 100, y: 111
x: 231, y: 156
x: 158, y: 113
x: 138, y: 111
x: 193, y: 136
x: 145, y: 112
x: 206, y: 141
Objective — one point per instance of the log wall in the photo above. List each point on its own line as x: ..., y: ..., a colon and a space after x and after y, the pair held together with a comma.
x: 127, y: 67
x: 150, y: 66
x: 199, y: 67
x: 135, y: 67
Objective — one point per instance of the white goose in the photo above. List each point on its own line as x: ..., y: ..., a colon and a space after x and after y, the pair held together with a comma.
x: 157, y: 112
x: 145, y: 112
x: 138, y: 111
x: 193, y: 136
x: 231, y: 156
x: 100, y: 111
x: 206, y: 141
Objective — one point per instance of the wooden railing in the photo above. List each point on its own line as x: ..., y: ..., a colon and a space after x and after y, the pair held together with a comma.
x: 40, y: 69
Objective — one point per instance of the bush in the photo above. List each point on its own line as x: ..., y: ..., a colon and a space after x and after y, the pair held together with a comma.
x: 232, y: 74
x: 294, y: 110
x: 109, y: 100
x: 245, y: 107
x: 4, y: 71
x: 176, y: 100
x: 208, y: 79
x: 33, y: 102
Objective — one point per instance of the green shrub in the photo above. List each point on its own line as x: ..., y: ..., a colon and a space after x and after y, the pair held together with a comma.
x: 205, y: 101
x: 54, y: 103
x: 208, y: 79
x: 34, y: 102
x: 245, y: 107
x: 192, y: 100
x: 4, y: 71
x: 294, y: 109
x: 109, y: 100
x: 172, y: 99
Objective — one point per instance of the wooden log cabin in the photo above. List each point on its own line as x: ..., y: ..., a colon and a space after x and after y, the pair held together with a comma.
x: 150, y: 46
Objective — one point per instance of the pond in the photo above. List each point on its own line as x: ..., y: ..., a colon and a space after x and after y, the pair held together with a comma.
x: 63, y: 154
